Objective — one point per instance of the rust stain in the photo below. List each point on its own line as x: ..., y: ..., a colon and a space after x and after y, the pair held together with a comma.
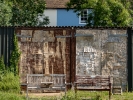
x: 44, y: 53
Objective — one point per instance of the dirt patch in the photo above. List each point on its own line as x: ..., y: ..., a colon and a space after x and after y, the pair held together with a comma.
x: 46, y: 94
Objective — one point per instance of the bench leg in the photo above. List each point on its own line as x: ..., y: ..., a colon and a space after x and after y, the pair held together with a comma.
x: 75, y: 89
x: 27, y: 93
x: 110, y: 95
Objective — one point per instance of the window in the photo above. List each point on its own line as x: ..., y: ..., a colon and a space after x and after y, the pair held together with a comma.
x: 83, y: 17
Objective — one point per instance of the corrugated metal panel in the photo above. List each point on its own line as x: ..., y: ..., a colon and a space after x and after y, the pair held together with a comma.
x: 74, y: 27
x: 6, y: 43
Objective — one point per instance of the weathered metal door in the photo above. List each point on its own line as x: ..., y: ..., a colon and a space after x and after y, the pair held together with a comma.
x: 101, y: 52
x: 42, y: 52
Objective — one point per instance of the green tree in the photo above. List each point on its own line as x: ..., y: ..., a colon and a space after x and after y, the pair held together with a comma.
x: 104, y: 12
x: 27, y: 12
x: 5, y: 14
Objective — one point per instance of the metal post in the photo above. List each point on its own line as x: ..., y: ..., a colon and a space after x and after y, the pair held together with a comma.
x: 129, y: 59
x: 132, y: 64
x: 27, y: 88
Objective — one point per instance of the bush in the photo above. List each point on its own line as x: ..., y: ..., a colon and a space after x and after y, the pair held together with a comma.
x: 10, y: 83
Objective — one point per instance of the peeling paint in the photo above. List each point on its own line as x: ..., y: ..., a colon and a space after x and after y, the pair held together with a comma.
x: 44, y: 53
x: 97, y: 54
x: 102, y: 54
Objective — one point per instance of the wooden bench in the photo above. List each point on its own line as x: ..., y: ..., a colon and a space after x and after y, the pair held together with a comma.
x: 51, y: 82
x: 93, y: 83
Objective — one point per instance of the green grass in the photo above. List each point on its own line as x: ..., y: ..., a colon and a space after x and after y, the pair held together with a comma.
x: 87, y: 95
x: 69, y: 96
x: 11, y: 96
x: 10, y: 87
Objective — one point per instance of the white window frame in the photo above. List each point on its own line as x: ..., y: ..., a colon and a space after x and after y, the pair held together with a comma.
x: 80, y: 22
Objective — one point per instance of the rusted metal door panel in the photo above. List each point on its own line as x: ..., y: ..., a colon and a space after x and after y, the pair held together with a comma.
x: 102, y: 52
x: 44, y: 53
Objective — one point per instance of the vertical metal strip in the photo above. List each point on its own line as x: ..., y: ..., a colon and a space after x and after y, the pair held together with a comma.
x: 9, y: 45
x: 129, y: 60
x: 73, y: 56
x: 4, y: 45
x: 5, y: 51
x: 132, y: 64
x: 0, y: 42
x: 70, y: 67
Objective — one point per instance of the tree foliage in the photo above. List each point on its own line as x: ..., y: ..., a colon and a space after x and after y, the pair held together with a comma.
x: 26, y: 12
x: 5, y: 14
x: 104, y: 12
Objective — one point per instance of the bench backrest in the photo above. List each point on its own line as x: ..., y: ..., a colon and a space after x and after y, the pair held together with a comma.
x: 35, y: 80
x: 98, y: 80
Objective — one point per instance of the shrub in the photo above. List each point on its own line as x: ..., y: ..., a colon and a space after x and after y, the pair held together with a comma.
x: 10, y: 83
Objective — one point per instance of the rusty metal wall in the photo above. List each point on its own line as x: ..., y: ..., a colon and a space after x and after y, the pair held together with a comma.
x: 44, y: 53
x: 84, y: 51
x: 102, y: 52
